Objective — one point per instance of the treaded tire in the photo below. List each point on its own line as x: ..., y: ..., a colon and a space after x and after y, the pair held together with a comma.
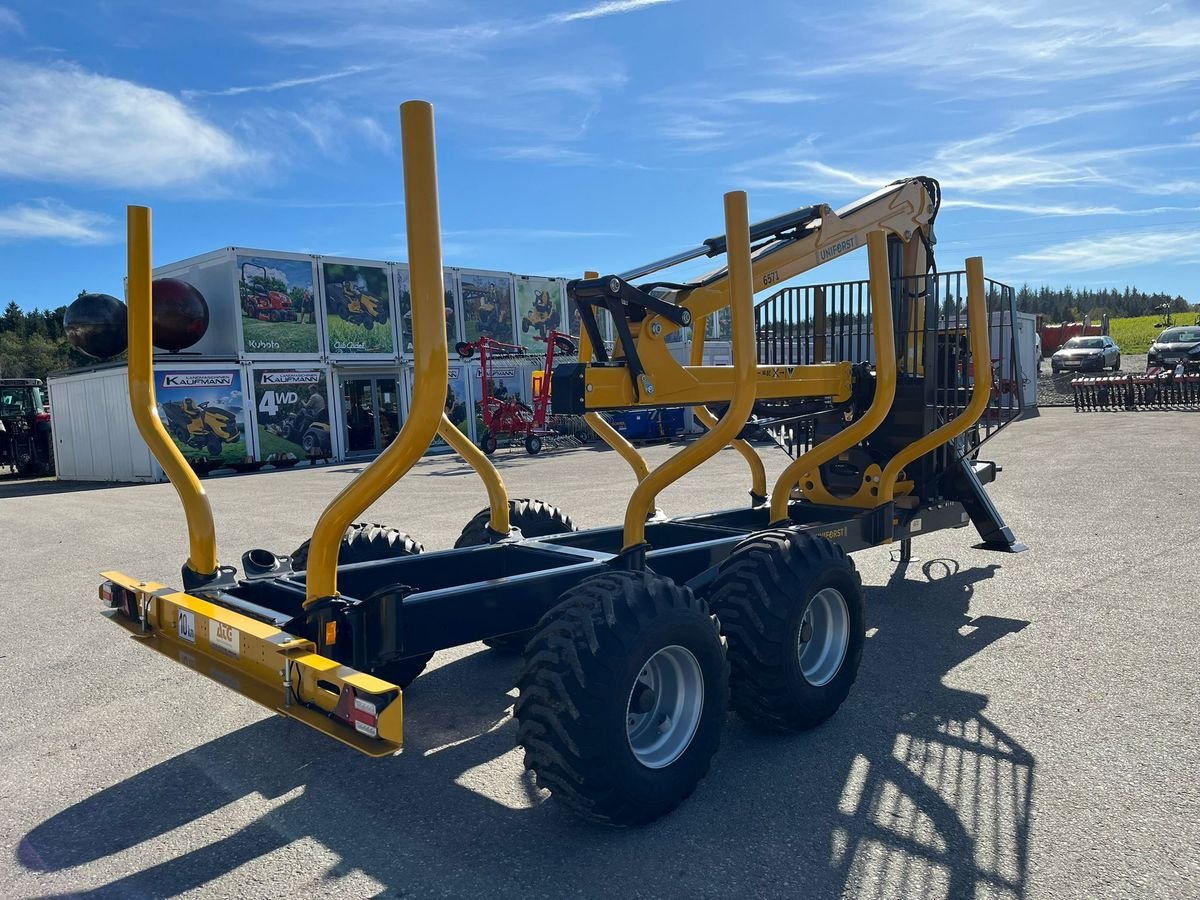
x: 365, y: 542
x: 580, y: 671
x: 535, y: 519
x: 760, y: 597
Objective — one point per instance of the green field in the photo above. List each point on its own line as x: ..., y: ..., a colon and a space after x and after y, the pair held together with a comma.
x: 1135, y: 335
x: 377, y: 340
x: 235, y: 452
x: 269, y: 443
x: 278, y: 337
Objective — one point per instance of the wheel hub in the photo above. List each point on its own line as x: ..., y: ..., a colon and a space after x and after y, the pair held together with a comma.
x: 664, y: 707
x: 823, y: 637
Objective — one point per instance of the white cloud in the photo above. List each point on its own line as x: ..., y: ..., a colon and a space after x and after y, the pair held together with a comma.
x: 62, y: 123
x: 52, y: 220
x: 10, y: 21
x: 612, y: 8
x: 1118, y: 251
x: 279, y: 85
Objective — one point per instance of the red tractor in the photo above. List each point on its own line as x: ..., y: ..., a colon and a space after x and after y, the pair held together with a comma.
x: 501, y: 412
x: 262, y: 303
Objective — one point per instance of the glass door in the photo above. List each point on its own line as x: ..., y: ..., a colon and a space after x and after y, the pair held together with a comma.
x: 371, y: 405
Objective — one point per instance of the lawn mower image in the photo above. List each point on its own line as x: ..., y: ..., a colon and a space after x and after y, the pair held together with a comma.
x: 262, y: 303
x: 200, y: 425
x: 542, y: 316
x: 491, y: 312
x: 637, y: 636
x: 351, y: 302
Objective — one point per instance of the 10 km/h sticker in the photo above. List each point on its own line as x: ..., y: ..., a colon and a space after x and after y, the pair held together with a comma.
x: 187, y: 626
x: 224, y: 637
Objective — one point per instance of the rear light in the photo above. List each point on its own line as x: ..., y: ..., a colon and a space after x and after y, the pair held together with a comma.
x: 107, y: 595
x: 42, y: 418
x: 360, y: 710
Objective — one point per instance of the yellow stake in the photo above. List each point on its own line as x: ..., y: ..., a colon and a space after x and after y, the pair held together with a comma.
x: 430, y: 356
x: 202, y: 535
x: 745, y: 372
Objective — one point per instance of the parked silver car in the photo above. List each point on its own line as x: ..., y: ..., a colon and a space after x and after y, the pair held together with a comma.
x: 1087, y: 354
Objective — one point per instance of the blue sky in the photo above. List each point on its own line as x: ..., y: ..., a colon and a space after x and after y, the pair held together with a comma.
x: 581, y: 134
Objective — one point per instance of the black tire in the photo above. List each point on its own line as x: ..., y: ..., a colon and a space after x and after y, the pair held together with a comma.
x: 582, y: 668
x: 535, y: 519
x: 213, y: 445
x: 365, y: 542
x: 761, y: 597
x: 533, y: 444
x: 311, y: 441
x: 367, y: 322
x: 1117, y: 364
x: 487, y: 443
x: 525, y: 323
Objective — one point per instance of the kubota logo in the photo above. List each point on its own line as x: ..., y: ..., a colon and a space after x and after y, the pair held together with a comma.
x: 206, y: 379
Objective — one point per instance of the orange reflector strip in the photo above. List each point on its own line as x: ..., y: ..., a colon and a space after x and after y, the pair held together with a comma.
x: 330, y: 633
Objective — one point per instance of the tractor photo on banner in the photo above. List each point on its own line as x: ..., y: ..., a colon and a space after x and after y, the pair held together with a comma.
x: 203, y: 413
x: 277, y: 305
x: 539, y: 311
x: 293, y: 414
x: 404, y: 303
x: 487, y: 306
x: 358, y: 309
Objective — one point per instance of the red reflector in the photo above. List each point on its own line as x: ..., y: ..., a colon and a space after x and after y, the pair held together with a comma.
x: 358, y: 711
x: 41, y: 418
x: 106, y: 594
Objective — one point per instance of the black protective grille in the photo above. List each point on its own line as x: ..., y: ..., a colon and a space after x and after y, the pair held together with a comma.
x: 832, y: 323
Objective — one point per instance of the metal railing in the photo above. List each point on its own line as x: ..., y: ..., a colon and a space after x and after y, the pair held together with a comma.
x: 831, y: 322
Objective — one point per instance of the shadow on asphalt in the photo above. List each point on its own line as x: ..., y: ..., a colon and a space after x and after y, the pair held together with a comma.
x: 18, y: 486
x: 911, y: 790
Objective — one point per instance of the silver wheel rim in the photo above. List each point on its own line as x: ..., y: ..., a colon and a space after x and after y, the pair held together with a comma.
x: 664, y: 707
x: 823, y: 637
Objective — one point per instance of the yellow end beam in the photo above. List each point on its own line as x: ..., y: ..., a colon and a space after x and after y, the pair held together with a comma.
x: 430, y: 355
x: 885, y: 385
x: 745, y: 363
x: 977, y: 324
x: 202, y: 535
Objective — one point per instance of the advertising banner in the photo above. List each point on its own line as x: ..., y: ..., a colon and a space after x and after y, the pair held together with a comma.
x: 358, y: 309
x: 487, y: 302
x: 203, y: 412
x: 458, y: 402
x: 404, y: 304
x: 292, y: 410
x: 540, y: 308
x: 277, y: 305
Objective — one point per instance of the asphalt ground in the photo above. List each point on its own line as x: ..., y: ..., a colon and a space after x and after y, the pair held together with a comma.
x: 1022, y: 726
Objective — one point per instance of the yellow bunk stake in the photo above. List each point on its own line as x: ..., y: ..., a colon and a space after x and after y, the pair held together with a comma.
x: 430, y: 355
x: 475, y: 458
x: 977, y: 323
x: 745, y: 369
x: 803, y: 469
x: 202, y: 535
x: 758, y: 472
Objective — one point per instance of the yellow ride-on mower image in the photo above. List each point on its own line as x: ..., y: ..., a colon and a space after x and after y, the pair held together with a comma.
x: 541, y: 316
x: 638, y: 636
x: 200, y: 425
x: 352, y: 302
